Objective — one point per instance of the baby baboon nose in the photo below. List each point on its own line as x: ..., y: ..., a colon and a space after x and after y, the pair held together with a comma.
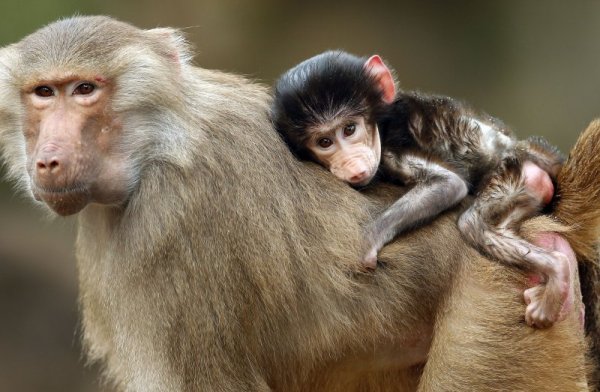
x: 358, y: 177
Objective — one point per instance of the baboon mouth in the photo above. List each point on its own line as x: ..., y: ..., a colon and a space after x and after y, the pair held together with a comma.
x: 78, y: 188
x: 65, y: 200
x: 363, y: 182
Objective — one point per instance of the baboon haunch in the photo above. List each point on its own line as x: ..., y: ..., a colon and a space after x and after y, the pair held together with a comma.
x: 210, y: 259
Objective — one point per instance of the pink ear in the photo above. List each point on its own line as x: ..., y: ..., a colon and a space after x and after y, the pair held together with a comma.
x: 377, y: 68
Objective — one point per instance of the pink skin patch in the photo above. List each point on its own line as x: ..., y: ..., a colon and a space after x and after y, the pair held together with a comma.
x: 538, y: 183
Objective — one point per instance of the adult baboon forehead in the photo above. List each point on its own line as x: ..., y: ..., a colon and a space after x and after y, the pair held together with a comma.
x: 76, y: 44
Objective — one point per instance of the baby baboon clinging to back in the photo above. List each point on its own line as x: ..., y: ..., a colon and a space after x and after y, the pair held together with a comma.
x: 343, y: 112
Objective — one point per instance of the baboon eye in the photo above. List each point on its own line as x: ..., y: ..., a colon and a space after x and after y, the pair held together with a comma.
x: 84, y: 89
x: 349, y: 129
x: 44, y: 91
x: 325, y: 142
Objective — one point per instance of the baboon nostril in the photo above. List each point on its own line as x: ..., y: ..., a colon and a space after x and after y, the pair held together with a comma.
x: 51, y: 165
x: 359, y: 176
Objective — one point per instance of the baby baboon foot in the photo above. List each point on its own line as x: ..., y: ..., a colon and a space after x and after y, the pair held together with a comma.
x: 540, y: 312
x: 553, y: 301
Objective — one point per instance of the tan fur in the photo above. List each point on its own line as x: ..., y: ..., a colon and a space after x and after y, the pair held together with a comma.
x: 578, y: 208
x: 232, y: 267
x: 580, y: 194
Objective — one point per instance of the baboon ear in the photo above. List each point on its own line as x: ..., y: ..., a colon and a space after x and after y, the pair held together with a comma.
x: 9, y: 60
x: 376, y: 67
x: 173, y: 44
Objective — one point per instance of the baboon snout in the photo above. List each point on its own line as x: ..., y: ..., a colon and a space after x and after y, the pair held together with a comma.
x: 51, y: 166
x: 359, y: 176
x: 48, y: 165
x: 356, y: 172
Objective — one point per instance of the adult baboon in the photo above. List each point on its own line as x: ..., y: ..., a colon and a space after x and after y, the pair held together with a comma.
x: 211, y: 260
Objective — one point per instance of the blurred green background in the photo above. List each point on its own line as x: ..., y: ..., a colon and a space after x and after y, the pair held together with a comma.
x: 533, y: 64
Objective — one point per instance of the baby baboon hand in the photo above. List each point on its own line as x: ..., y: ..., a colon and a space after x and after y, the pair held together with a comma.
x: 369, y: 261
x: 372, y: 248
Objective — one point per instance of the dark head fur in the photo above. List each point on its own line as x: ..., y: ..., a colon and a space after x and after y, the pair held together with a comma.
x: 327, y: 86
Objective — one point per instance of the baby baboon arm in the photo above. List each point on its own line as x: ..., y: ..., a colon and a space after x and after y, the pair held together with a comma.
x: 434, y: 190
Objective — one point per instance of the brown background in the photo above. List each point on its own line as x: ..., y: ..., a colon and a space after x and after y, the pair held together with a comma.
x: 533, y: 64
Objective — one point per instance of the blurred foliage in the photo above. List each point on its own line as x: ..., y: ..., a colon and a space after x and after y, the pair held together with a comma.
x: 531, y: 63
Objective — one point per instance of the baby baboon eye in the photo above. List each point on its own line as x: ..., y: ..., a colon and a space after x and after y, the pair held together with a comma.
x: 349, y: 129
x: 325, y: 142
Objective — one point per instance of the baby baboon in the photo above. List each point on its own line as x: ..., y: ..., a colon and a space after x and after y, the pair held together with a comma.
x: 343, y: 112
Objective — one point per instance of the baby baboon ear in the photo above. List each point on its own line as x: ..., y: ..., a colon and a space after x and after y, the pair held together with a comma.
x: 376, y: 67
